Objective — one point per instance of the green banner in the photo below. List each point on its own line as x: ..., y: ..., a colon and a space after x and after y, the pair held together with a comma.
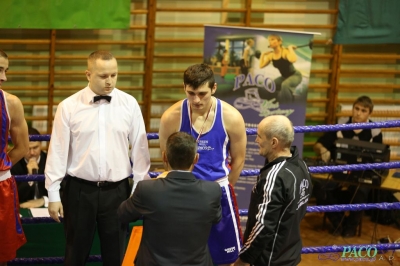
x: 368, y: 22
x: 65, y: 14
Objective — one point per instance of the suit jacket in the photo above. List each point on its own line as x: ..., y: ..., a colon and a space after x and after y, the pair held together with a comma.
x: 25, y: 191
x: 178, y: 212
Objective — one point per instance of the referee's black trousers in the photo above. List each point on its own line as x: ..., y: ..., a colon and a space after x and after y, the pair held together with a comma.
x: 88, y: 207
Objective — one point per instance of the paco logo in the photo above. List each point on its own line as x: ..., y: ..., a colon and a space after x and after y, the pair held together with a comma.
x: 356, y: 254
x: 230, y: 250
x: 363, y: 253
x: 303, y: 187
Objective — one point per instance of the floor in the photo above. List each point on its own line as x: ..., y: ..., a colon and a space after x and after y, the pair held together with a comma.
x: 313, y: 234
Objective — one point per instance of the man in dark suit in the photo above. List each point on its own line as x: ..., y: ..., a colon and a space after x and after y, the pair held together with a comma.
x: 178, y: 210
x: 32, y: 194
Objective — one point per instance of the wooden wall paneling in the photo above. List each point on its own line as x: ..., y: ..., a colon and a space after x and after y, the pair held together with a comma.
x: 182, y: 58
x: 29, y: 66
x: 50, y: 89
x: 332, y: 106
x: 148, y: 78
x: 372, y: 70
x: 166, y: 36
x: 332, y: 92
x: 249, y: 14
x: 248, y: 5
x: 179, y: 37
x: 318, y: 17
x: 24, y: 41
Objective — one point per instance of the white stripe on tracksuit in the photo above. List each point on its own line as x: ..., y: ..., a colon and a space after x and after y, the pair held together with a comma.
x: 279, y: 223
x: 268, y: 187
x: 224, y: 183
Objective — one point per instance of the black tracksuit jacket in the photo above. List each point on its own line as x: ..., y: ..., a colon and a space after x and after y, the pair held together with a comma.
x: 277, y: 206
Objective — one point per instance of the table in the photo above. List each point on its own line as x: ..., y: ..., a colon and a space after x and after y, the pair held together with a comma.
x: 390, y: 183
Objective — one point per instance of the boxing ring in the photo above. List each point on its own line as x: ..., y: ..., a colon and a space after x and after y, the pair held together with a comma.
x: 326, y: 252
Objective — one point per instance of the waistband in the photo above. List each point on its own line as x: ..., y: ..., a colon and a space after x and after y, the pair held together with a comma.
x: 223, y: 181
x: 96, y: 183
x: 5, y: 175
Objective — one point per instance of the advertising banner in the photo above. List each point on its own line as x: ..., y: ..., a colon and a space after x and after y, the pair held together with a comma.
x: 65, y: 14
x: 260, y: 72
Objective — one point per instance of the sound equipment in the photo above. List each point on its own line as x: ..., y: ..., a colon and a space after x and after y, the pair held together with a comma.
x: 351, y: 151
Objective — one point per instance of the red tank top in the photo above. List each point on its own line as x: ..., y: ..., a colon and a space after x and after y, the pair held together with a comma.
x: 5, y: 162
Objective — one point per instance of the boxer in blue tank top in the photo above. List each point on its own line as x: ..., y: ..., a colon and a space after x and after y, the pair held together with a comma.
x: 221, y: 137
x: 213, y: 146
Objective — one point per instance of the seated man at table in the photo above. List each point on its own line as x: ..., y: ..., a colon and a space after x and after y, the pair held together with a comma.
x: 178, y: 210
x: 328, y: 193
x: 32, y: 194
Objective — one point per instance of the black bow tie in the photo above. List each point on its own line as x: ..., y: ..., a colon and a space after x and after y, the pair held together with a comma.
x: 98, y: 98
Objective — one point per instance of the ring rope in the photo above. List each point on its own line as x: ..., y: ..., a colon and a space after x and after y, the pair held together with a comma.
x: 297, y: 129
x: 244, y: 212
x: 50, y: 260
x: 312, y: 169
x: 304, y: 250
x: 338, y: 248
x: 346, y: 207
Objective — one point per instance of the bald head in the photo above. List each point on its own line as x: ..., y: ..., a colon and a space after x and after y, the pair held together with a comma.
x: 280, y: 127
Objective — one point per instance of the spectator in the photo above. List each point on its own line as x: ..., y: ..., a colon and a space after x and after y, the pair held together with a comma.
x: 32, y: 194
x: 328, y: 193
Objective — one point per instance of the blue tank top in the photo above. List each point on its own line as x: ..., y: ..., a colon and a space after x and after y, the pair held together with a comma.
x: 5, y: 162
x: 213, y: 146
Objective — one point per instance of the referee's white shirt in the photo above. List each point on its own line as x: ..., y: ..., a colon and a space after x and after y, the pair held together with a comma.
x: 94, y: 141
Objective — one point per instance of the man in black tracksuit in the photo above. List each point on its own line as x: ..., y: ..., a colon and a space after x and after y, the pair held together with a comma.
x: 278, y: 199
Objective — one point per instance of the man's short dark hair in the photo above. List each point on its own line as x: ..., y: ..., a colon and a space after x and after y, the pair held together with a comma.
x: 33, y: 131
x: 102, y: 55
x: 181, y: 150
x: 198, y: 75
x: 3, y: 54
x: 365, y: 102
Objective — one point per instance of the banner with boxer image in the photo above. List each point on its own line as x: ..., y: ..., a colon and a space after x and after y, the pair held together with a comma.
x: 260, y: 72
